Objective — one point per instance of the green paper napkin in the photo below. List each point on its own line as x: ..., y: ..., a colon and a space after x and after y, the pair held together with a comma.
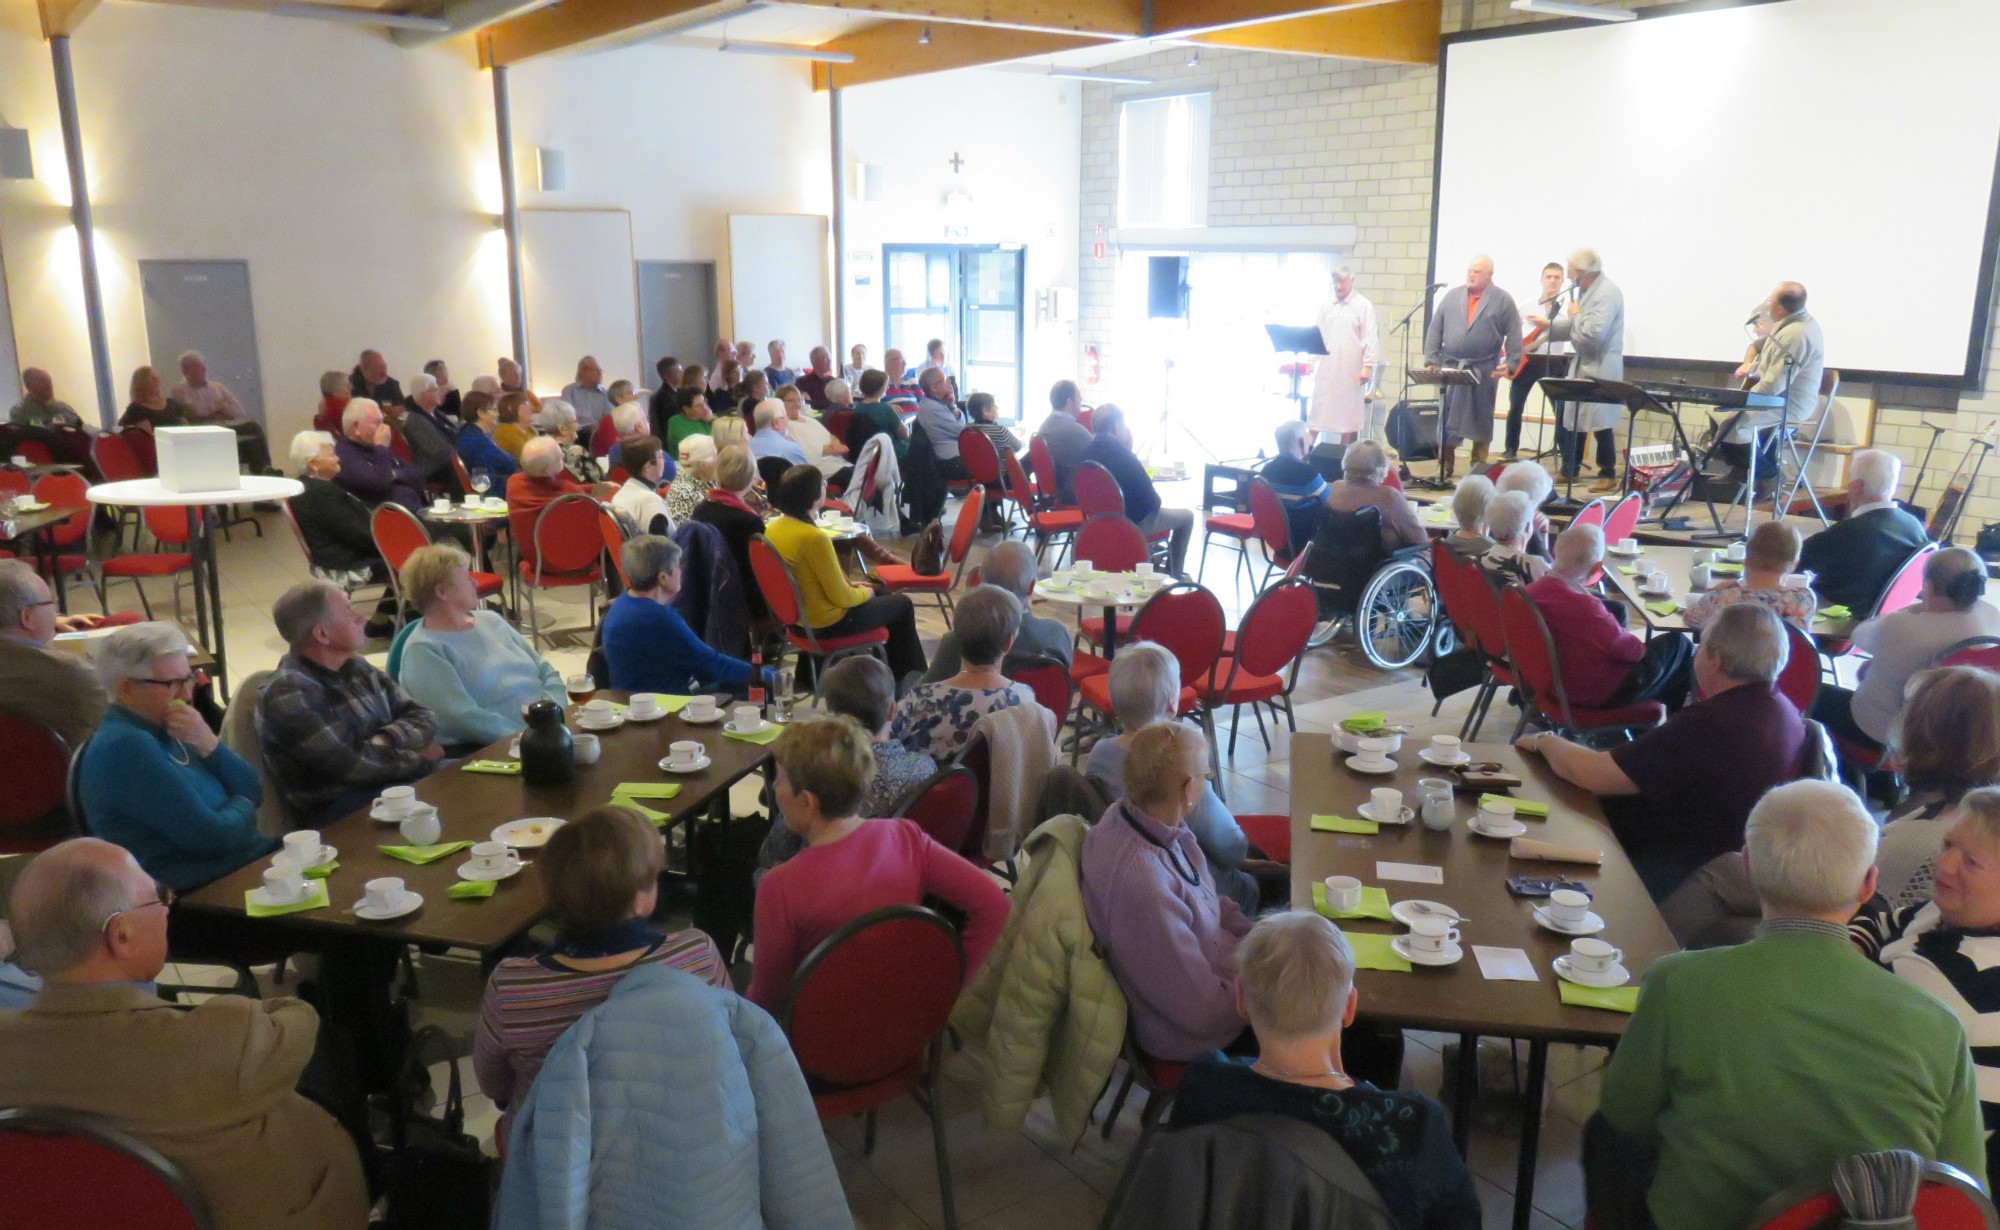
x: 1665, y: 606
x: 509, y: 767
x: 1363, y: 723
x: 321, y: 873
x: 1522, y: 807
x: 425, y: 854
x: 315, y: 899
x: 673, y: 704
x: 1374, y: 904
x: 1835, y: 612
x: 1611, y: 999
x: 1629, y: 570
x: 1728, y: 566
x: 470, y: 890
x: 1373, y: 952
x: 765, y: 737
x: 1341, y: 824
x: 645, y: 790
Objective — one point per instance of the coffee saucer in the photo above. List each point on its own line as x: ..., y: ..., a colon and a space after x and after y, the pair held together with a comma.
x: 758, y: 729
x: 1496, y: 828
x: 408, y: 905
x: 1366, y: 812
x: 633, y: 715
x: 667, y: 764
x: 261, y: 896
x: 612, y: 723
x: 375, y: 812
x: 1668, y: 592
x: 1445, y: 762
x: 1383, y: 769
x: 715, y: 716
x: 1590, y: 925
x: 327, y: 854
x: 1632, y: 554
x: 1452, y: 954
x: 1616, y: 976
x: 467, y: 871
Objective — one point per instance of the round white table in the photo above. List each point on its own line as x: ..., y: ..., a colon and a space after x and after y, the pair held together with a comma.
x: 151, y: 493
x: 1127, y: 597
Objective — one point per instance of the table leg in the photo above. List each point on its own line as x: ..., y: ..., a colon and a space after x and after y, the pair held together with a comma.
x: 1110, y: 632
x: 51, y: 558
x: 197, y: 522
x: 1531, y: 1134
x: 1466, y: 1093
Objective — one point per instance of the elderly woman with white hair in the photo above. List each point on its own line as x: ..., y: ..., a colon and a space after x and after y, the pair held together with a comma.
x: 1529, y: 478
x: 467, y: 665
x: 937, y: 718
x: 1468, y: 507
x: 154, y: 778
x: 557, y: 420
x: 1364, y: 470
x: 695, y: 479
x: 1602, y: 663
x: 541, y: 482
x: 1510, y: 519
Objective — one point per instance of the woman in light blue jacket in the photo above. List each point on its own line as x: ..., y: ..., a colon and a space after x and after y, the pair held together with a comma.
x: 466, y: 665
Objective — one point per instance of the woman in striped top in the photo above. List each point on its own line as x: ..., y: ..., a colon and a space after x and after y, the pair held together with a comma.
x: 602, y: 874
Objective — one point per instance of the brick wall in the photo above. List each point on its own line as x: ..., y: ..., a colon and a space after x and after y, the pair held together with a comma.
x: 1297, y: 140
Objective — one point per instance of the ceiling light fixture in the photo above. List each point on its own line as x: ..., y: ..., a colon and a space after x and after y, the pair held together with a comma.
x: 362, y: 17
x: 1563, y: 8
x: 1078, y: 74
x: 1194, y: 58
x: 779, y: 50
x: 924, y: 39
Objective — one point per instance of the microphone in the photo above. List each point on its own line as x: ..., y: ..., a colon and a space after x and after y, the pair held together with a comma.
x: 1435, y: 286
x: 1754, y: 317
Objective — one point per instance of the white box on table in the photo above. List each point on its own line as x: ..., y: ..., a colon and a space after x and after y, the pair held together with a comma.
x: 197, y: 458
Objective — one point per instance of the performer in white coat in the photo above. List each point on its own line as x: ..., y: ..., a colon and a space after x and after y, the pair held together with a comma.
x: 1340, y: 384
x: 1594, y: 326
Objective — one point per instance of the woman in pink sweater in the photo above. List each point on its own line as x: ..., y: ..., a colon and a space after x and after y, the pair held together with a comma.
x: 851, y: 865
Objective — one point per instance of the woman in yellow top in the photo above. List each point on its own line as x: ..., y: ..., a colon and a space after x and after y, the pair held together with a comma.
x: 512, y: 434
x: 831, y: 604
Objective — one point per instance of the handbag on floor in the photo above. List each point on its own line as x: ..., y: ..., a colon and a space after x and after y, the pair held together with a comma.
x: 927, y: 556
x: 438, y: 1177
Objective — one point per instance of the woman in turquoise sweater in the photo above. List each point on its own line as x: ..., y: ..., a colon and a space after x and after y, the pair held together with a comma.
x: 466, y: 665
x: 155, y: 779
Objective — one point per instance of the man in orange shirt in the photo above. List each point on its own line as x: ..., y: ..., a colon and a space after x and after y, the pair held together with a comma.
x: 541, y: 482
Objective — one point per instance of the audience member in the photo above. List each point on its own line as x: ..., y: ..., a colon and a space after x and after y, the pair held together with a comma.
x: 557, y: 420
x: 695, y: 419
x: 1948, y: 610
x: 840, y: 393
x: 587, y: 395
x: 647, y: 644
x: 771, y: 438
x: 1170, y: 937
x: 985, y: 415
x: 811, y: 384
x: 541, y: 482
x: 371, y: 379
x: 450, y: 401
x: 1855, y: 558
x: 511, y: 381
x: 851, y: 864
x: 1510, y: 525
x: 49, y: 688
x: 1295, y: 985
x: 1529, y: 478
x: 1010, y: 566
x: 823, y: 452
x: 665, y: 402
x: 1364, y: 469
x: 695, y: 479
x: 934, y: 362
x: 1068, y: 439
x: 1468, y: 508
x: 1602, y: 664
x: 369, y: 467
x: 467, y: 666
x: 1145, y: 690
x: 476, y: 444
x: 902, y: 386
x: 727, y: 507
x: 857, y: 362
x: 776, y: 372
x: 876, y: 417
x: 941, y: 420
x: 334, y: 728
x: 489, y: 385
x: 832, y: 605
x: 1297, y: 484
x: 1111, y: 447
x: 937, y: 718
x: 425, y: 430
x: 601, y: 872
x: 725, y: 354
x: 755, y: 388
x: 214, y: 1088
x: 39, y: 407
x: 1946, y: 742
x: 207, y: 402
x: 514, y: 432
x: 628, y: 422
x: 1773, y: 553
x: 154, y: 778
x: 637, y: 501
x: 337, y: 526
x: 148, y: 409
x: 1752, y: 1068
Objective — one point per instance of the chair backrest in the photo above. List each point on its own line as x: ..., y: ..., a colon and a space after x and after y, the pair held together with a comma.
x: 37, y: 781
x: 463, y: 474
x: 13, y: 482
x: 1267, y: 514
x: 603, y: 436
x: 980, y: 458
x: 298, y: 533
x: 1042, y: 464
x: 976, y: 757
x: 1799, y: 681
x: 36, y: 451
x: 836, y: 423
x: 1016, y: 486
x: 566, y: 536
x: 1482, y: 605
x: 1448, y: 573
x: 167, y: 525
x: 1980, y: 651
x: 614, y: 542
x: 775, y: 582
x: 1906, y: 585
x: 1592, y: 513
x: 874, y: 996
x: 967, y: 525
x: 1347, y: 551
x: 1083, y: 416
x: 397, y: 534
x: 1623, y: 518
x: 239, y: 735
x: 944, y: 807
x: 62, y: 487
x: 1111, y: 543
x: 1097, y: 493
x: 1187, y: 621
x: 1947, y: 1199
x: 63, y: 1168
x: 1532, y: 653
x: 1046, y: 677
x: 115, y: 458
x: 1275, y: 629
x: 770, y: 470
x: 617, y: 476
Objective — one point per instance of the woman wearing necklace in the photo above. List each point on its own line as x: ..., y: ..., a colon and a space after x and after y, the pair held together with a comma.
x: 155, y: 779
x: 1295, y: 984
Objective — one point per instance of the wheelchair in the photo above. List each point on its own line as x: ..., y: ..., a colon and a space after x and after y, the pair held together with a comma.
x: 1387, y: 597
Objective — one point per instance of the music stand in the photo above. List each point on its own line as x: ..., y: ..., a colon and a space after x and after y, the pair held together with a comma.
x: 1444, y: 377
x: 1566, y: 389
x: 1296, y: 340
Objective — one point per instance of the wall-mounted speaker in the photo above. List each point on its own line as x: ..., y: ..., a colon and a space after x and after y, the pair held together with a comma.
x: 551, y: 170
x: 1166, y: 287
x: 867, y: 181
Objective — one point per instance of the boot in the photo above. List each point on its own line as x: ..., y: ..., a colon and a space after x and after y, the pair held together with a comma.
x: 1479, y: 453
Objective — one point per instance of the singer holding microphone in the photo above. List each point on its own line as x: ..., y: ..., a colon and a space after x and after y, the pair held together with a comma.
x: 1476, y: 327
x: 1544, y: 357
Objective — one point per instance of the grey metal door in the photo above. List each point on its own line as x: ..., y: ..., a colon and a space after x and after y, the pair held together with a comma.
x: 676, y: 312
x: 204, y: 306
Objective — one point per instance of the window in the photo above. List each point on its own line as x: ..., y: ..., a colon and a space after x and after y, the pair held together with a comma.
x: 1163, y: 161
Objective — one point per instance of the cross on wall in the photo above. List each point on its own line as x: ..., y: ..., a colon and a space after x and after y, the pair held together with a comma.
x: 957, y: 163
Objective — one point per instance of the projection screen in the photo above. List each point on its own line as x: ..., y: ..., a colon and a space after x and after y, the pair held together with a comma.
x: 1708, y: 154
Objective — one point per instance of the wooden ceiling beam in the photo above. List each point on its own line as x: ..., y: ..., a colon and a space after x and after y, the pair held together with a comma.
x: 60, y: 18
x: 1109, y: 18
x: 890, y: 50
x: 1405, y: 32
x: 1188, y: 18
x: 581, y: 23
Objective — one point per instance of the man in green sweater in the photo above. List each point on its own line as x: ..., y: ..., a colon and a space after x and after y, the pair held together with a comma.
x: 1754, y: 1068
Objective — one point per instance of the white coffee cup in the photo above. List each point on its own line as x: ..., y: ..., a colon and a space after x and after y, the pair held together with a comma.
x: 587, y: 748
x: 701, y: 708
x: 1568, y: 906
x: 1699, y: 576
x: 1495, y: 814
x: 1738, y: 552
x: 1432, y: 934
x: 1795, y: 580
x: 284, y: 882
x: 597, y: 712
x: 746, y: 719
x: 686, y: 754
x: 397, y: 800
x: 1144, y: 569
x: 1343, y: 894
x: 1628, y: 545
x: 1374, y: 752
x: 383, y: 894
x: 420, y: 827
x: 441, y: 505
x: 1386, y: 804
x: 492, y: 856
x: 1591, y: 956
x: 1061, y: 576
x: 303, y: 848
x: 1445, y: 747
x: 643, y: 704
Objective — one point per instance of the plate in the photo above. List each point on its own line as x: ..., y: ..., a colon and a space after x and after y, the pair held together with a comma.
x: 1632, y: 554
x: 261, y: 895
x: 529, y: 833
x: 1366, y: 814
x: 327, y: 854
x: 408, y: 905
x: 466, y: 871
x: 1381, y: 770
x: 1445, y: 762
x: 1502, y: 829
x: 375, y: 811
x: 1405, y: 912
x: 617, y: 720
x: 1590, y: 925
x: 1668, y: 592
x: 668, y: 766
x: 1451, y: 955
x: 1616, y: 976
x: 716, y: 716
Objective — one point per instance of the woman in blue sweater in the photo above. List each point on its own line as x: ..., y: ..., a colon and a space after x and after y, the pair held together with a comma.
x: 475, y: 441
x: 466, y: 665
x: 155, y: 779
x: 647, y: 644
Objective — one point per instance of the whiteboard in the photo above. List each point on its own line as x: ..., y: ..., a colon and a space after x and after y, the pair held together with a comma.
x: 777, y: 281
x: 580, y: 292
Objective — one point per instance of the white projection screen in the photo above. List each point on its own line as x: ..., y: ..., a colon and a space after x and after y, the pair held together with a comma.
x: 1708, y: 154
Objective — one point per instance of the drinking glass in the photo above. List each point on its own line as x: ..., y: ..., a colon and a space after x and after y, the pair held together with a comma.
x: 581, y: 689
x: 481, y: 482
x: 781, y: 693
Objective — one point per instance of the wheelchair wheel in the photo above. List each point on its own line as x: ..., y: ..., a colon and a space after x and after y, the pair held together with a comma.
x: 1396, y: 615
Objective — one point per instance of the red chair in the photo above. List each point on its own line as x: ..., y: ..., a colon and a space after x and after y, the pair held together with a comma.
x: 1532, y: 650
x: 866, y: 1015
x: 169, y: 528
x: 1592, y: 513
x: 603, y: 437
x: 617, y: 475
x: 62, y: 489
x: 1238, y: 527
x: 1015, y: 489
x: 1161, y: 1079
x: 1947, y: 1199
x: 1272, y: 637
x: 64, y: 1168
x: 569, y: 551
x: 614, y: 543
x: 1052, y: 519
x: 945, y: 808
x: 976, y: 758
x: 1623, y: 518
x: 981, y: 460
x: 13, y: 482
x: 836, y: 423
x: 1097, y: 493
x: 1187, y: 621
x: 118, y: 462
x: 904, y: 579
x: 36, y: 451
x: 34, y: 812
x: 1271, y: 834
x: 1109, y: 544
x: 781, y: 593
x: 1903, y: 590
x: 1481, y: 604
x: 1047, y: 678
x: 398, y: 533
x: 1799, y: 681
x: 1980, y: 651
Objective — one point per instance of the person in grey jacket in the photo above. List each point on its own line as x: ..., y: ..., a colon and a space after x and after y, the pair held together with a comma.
x: 1011, y: 566
x: 1594, y: 326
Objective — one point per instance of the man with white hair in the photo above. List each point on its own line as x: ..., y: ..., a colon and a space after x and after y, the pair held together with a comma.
x: 775, y: 371
x: 369, y: 467
x: 1602, y: 664
x: 587, y: 395
x: 50, y: 689
x: 1475, y: 328
x: 1011, y: 566
x: 209, y: 403
x: 337, y: 526
x: 1298, y: 485
x: 902, y: 387
x: 1111, y: 447
x: 1341, y: 378
x: 628, y: 422
x: 1854, y: 559
x: 1364, y: 471
x: 941, y: 420
x: 420, y: 417
x: 812, y: 383
x: 771, y: 439
x: 97, y: 1041
x: 1594, y: 326
x: 1678, y: 795
x: 543, y: 479
x: 1749, y: 1069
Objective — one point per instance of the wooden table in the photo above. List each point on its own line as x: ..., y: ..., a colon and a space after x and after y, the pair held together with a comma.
x: 83, y: 645
x: 1128, y: 598
x: 1457, y: 998
x: 1678, y: 562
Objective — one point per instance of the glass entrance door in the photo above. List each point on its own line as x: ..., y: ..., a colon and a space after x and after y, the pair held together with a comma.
x: 968, y: 296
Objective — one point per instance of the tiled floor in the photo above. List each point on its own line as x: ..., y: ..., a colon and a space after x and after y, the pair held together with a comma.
x: 1012, y: 1180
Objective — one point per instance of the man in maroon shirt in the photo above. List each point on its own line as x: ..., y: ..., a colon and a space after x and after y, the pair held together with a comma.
x: 1602, y: 664
x: 812, y: 384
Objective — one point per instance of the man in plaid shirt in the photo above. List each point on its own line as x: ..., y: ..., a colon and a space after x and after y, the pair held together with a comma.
x: 336, y: 730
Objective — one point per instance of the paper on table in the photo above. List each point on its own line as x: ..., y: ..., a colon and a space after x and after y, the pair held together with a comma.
x: 509, y: 767
x: 1522, y: 807
x: 646, y: 790
x: 1373, y: 952
x: 425, y: 854
x: 1341, y: 824
x: 314, y: 899
x: 1614, y: 999
x: 469, y: 889
x: 1416, y: 873
x: 1835, y: 612
x: 766, y: 736
x: 659, y: 818
x: 1629, y: 569
x: 1665, y: 606
x: 1374, y: 904
x: 1505, y: 964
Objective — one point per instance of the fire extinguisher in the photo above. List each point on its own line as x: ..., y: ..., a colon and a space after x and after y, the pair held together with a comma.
x: 1090, y: 364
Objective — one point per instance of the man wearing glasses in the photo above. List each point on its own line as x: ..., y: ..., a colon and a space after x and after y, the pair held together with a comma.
x: 50, y: 689
x: 213, y: 1087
